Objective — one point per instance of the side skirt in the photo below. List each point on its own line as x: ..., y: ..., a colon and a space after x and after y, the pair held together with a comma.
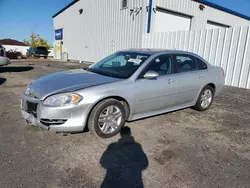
x: 158, y: 112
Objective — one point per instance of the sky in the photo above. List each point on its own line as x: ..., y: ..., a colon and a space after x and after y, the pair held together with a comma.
x: 18, y: 18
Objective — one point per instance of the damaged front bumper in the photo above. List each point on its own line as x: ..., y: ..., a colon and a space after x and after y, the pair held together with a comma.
x: 31, y: 120
x: 57, y: 119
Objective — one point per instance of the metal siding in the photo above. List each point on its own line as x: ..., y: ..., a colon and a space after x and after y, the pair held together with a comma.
x: 232, y: 56
x: 196, y: 41
x: 228, y: 48
x: 101, y: 30
x: 202, y: 43
x: 245, y: 72
x: 219, y: 47
x: 213, y: 47
x: 239, y: 56
x: 199, y: 20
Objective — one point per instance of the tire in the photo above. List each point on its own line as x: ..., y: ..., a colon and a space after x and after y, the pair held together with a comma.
x: 101, y: 112
x: 45, y: 57
x: 200, y: 105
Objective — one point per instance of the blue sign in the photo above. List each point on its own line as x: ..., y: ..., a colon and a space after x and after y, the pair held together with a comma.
x: 58, y: 34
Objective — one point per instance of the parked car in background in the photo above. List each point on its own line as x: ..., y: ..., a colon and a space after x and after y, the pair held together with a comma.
x: 38, y: 52
x: 124, y: 86
x: 3, y: 59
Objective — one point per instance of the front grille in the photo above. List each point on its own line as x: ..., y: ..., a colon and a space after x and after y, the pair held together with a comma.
x: 49, y: 122
x: 31, y: 106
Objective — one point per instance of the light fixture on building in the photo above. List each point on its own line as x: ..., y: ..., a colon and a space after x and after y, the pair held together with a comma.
x: 201, y: 7
x: 80, y: 11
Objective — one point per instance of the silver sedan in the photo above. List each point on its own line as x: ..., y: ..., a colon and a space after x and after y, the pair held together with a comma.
x: 124, y: 86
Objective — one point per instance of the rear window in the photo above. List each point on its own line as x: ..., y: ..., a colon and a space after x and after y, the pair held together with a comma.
x: 201, y: 64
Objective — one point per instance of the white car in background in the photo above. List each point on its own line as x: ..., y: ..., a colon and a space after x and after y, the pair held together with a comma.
x: 3, y: 59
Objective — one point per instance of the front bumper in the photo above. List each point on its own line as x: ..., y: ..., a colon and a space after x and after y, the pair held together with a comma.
x: 63, y: 119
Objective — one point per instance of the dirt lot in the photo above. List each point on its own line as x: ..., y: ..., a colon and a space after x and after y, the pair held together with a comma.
x: 180, y: 149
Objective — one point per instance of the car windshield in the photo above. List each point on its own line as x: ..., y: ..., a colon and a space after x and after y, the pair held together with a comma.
x: 119, y: 65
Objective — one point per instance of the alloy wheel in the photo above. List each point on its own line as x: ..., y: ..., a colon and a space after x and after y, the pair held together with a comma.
x: 110, y: 119
x: 206, y: 98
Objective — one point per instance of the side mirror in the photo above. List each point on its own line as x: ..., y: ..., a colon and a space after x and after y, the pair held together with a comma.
x: 150, y: 75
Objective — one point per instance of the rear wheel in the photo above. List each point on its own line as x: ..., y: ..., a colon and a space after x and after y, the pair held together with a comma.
x: 107, y: 118
x: 205, y: 99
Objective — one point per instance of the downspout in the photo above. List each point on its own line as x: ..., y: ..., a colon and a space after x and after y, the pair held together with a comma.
x: 149, y: 15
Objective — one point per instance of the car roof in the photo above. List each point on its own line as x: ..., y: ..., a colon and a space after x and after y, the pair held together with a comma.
x: 151, y: 51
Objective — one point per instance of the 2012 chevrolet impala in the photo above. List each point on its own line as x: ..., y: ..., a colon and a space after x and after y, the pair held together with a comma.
x: 124, y: 86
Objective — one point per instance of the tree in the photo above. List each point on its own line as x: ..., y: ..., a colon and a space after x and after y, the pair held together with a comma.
x: 42, y: 42
x: 33, y: 40
x: 36, y: 40
x: 26, y: 42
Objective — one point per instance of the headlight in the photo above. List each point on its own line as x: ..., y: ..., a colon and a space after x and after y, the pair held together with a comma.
x: 27, y: 91
x: 62, y: 99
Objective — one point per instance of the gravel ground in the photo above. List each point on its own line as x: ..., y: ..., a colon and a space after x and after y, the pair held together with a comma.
x: 181, y: 149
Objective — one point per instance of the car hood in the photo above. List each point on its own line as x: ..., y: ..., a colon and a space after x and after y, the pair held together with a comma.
x: 67, y: 81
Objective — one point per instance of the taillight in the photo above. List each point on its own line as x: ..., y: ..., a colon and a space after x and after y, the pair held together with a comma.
x: 223, y: 73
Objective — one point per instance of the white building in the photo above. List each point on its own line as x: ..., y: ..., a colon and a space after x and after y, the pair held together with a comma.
x: 92, y: 29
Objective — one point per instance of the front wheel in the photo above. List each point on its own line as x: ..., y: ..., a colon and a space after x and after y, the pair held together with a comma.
x: 205, y: 99
x: 107, y: 118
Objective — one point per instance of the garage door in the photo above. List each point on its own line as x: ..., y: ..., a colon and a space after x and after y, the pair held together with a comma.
x: 214, y: 25
x: 169, y: 21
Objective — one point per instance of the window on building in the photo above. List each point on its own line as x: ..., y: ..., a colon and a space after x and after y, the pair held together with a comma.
x: 124, y: 4
x: 215, y: 25
x: 166, y: 20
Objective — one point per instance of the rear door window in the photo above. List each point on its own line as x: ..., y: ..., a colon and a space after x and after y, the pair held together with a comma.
x: 185, y: 63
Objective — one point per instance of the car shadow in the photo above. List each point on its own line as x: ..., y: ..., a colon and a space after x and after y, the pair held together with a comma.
x: 124, y: 162
x: 15, y: 69
x: 2, y: 80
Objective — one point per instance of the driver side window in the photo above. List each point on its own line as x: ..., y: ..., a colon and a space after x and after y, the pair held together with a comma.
x: 162, y: 65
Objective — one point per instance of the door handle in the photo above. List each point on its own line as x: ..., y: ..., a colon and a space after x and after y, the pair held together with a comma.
x: 170, y: 81
x: 201, y: 76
